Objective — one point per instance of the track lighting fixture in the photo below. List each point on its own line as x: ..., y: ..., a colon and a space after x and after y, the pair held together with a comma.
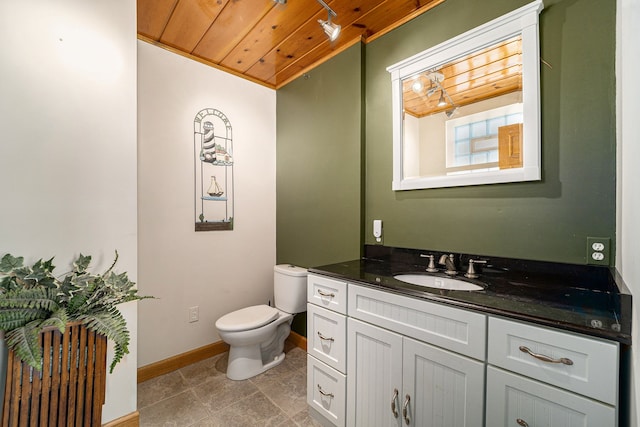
x: 417, y: 86
x: 331, y: 29
x: 280, y: 1
x: 442, y: 102
x: 432, y: 89
x: 450, y: 112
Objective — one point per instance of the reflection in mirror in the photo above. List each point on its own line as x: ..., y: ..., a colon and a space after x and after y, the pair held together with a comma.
x: 460, y: 108
x: 474, y: 105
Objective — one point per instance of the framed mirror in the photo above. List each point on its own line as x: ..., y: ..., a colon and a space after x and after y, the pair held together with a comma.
x: 467, y: 111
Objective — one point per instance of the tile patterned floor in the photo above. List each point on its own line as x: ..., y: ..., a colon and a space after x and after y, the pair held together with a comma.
x: 200, y: 395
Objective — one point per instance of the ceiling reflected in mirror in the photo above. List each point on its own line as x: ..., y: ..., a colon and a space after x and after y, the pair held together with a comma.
x: 481, y: 75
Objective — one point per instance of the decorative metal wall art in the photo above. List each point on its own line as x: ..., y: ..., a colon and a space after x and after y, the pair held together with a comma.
x: 213, y: 157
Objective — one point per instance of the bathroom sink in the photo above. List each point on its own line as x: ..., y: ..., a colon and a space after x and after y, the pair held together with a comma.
x: 437, y: 282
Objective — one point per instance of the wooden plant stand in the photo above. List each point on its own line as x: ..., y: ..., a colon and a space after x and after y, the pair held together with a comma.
x: 69, y: 391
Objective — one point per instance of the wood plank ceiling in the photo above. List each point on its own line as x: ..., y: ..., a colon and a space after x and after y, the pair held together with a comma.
x: 264, y: 41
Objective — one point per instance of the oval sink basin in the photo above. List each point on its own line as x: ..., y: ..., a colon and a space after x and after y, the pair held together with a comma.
x: 437, y: 282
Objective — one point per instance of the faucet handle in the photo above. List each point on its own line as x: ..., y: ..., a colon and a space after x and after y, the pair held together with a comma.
x: 431, y: 268
x: 471, y: 271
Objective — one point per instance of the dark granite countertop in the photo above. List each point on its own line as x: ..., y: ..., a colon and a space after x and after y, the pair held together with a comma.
x: 585, y: 299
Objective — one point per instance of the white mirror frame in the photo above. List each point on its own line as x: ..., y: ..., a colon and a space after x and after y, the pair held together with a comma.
x: 522, y: 21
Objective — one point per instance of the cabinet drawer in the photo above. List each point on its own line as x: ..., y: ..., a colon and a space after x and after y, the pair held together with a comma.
x: 328, y: 293
x: 587, y: 366
x: 326, y: 391
x: 458, y: 330
x: 513, y: 400
x: 327, y: 336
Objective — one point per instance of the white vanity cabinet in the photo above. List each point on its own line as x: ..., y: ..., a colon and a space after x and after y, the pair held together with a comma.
x: 545, y: 377
x: 394, y: 379
x: 378, y: 358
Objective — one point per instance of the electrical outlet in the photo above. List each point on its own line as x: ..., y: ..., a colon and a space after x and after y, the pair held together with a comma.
x: 194, y: 314
x: 598, y: 250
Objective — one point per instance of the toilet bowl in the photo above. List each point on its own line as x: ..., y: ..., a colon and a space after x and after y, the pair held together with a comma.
x: 256, y: 334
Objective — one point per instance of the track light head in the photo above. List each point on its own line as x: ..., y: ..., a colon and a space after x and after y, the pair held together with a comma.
x: 451, y: 111
x: 330, y: 29
x: 442, y: 102
x: 417, y: 86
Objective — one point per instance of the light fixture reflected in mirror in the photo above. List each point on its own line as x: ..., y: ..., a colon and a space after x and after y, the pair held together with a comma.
x: 417, y: 86
x: 451, y: 111
x: 331, y: 29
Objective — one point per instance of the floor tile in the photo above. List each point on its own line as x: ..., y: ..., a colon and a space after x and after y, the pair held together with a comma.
x: 303, y: 419
x: 220, y: 392
x: 200, y: 395
x: 160, y: 388
x: 290, y: 396
x: 254, y: 410
x: 202, y: 371
x: 181, y: 410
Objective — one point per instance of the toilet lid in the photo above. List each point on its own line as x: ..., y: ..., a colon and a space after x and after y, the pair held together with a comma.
x: 247, y: 318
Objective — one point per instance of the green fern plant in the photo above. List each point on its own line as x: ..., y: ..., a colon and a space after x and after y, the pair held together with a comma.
x: 32, y: 298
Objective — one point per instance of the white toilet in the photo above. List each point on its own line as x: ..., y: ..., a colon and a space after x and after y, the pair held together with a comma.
x: 256, y: 334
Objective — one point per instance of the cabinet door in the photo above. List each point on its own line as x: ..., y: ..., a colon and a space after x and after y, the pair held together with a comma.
x: 445, y: 389
x: 374, y: 363
x: 517, y: 401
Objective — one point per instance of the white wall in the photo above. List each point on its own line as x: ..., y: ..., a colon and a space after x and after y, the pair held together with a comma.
x: 68, y: 144
x: 628, y: 175
x: 219, y: 271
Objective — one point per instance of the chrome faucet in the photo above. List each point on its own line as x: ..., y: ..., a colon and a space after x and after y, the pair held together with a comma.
x: 449, y: 262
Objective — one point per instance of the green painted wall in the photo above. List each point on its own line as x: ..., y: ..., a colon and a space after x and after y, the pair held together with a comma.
x: 319, y: 161
x: 546, y: 220
x: 329, y: 190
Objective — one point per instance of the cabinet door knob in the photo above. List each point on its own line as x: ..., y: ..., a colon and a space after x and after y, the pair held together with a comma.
x: 393, y: 403
x: 522, y: 422
x: 404, y: 409
x: 544, y: 358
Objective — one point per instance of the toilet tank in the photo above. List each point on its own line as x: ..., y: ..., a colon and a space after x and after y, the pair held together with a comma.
x: 290, y: 288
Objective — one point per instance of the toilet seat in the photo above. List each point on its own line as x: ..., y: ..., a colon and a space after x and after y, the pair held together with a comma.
x: 247, y: 318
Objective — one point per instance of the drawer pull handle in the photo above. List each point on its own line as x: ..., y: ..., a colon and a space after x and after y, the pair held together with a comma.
x: 322, y: 337
x: 522, y: 422
x: 544, y: 358
x: 404, y: 409
x: 394, y: 411
x: 324, y: 393
x: 324, y: 294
